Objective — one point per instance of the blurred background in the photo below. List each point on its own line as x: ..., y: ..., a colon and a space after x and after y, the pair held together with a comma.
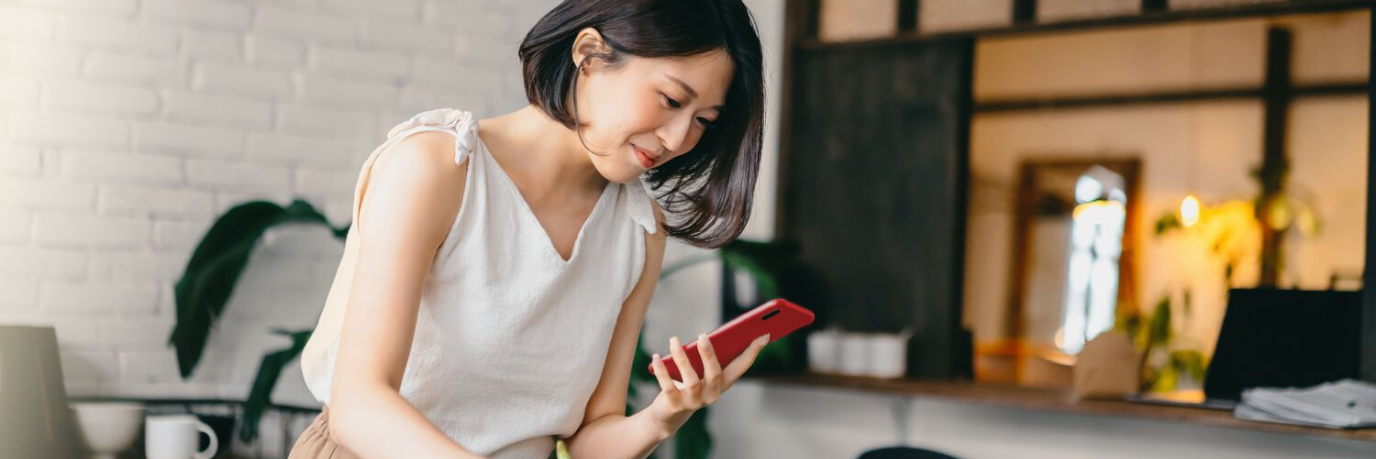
x: 990, y: 184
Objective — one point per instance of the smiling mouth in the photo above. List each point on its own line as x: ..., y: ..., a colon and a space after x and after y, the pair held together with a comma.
x: 646, y: 159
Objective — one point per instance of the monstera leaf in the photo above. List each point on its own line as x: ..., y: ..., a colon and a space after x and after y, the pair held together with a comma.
x: 208, y: 282
x: 269, y: 370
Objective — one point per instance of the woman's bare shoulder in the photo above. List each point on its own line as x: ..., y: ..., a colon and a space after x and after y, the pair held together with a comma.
x: 417, y: 179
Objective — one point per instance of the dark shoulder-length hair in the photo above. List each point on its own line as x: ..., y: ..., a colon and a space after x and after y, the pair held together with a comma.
x: 707, y: 191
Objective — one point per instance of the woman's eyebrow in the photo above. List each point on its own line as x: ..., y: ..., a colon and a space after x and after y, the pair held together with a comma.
x: 690, y: 90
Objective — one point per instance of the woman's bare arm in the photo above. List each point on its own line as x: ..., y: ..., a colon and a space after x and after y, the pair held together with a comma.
x: 412, y: 196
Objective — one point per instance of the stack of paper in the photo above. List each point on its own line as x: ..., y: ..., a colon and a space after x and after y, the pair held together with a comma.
x: 1345, y: 404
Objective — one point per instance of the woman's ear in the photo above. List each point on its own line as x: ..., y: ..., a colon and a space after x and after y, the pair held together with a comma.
x: 589, y: 45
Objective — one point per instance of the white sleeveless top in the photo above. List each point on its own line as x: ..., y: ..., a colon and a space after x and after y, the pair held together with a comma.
x: 510, y: 338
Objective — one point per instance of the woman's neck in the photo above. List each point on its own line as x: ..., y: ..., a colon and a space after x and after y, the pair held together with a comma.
x: 546, y: 155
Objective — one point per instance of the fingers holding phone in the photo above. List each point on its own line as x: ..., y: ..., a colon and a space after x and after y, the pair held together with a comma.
x: 678, y: 400
x: 711, y: 368
x: 737, y: 368
x: 776, y: 318
x: 685, y: 365
x: 693, y: 376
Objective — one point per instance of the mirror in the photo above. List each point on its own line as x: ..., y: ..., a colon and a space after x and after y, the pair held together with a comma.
x: 1073, y: 259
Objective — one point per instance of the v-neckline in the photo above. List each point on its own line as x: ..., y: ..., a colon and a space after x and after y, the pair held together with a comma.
x: 530, y: 213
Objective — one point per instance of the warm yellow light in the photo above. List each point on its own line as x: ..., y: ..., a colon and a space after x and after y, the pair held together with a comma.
x: 1189, y: 211
x: 1099, y: 212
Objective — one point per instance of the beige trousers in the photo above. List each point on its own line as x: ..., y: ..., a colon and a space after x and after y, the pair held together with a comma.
x: 315, y: 442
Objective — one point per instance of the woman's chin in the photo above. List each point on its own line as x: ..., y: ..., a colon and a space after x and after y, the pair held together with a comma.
x: 621, y: 174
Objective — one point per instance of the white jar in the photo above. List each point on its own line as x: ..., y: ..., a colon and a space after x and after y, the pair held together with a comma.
x: 888, y: 355
x: 824, y: 351
x: 855, y: 354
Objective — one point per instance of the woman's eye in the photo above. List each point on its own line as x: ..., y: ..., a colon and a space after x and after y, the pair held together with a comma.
x: 672, y: 103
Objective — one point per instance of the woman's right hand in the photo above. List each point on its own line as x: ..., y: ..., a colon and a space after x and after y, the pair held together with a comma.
x: 677, y: 401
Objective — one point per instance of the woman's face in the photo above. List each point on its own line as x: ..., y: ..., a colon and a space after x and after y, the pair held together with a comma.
x: 650, y: 110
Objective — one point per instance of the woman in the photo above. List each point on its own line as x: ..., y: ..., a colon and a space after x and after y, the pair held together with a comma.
x: 497, y: 274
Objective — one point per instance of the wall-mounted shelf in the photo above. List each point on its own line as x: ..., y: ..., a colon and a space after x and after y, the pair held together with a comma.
x: 1146, y: 18
x: 1052, y: 400
x: 1165, y: 97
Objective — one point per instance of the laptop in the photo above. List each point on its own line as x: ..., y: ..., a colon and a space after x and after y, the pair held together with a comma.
x: 1277, y: 338
x: 35, y: 420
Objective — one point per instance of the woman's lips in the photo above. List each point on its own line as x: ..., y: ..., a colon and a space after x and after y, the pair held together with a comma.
x: 646, y: 160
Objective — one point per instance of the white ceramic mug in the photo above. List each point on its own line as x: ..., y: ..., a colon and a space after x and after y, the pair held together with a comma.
x: 177, y: 437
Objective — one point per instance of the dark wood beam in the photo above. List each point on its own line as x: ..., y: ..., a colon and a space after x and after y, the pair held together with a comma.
x: 1368, y: 354
x: 1161, y: 17
x: 907, y: 16
x: 964, y: 355
x: 1164, y: 97
x: 811, y: 19
x: 800, y: 24
x: 1154, y: 6
x: 1275, y: 166
x: 1024, y: 11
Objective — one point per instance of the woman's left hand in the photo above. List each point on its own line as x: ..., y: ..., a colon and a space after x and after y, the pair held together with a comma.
x: 678, y: 400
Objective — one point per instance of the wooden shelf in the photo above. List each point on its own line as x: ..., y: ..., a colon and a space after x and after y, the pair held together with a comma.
x: 1051, y: 400
x: 1127, y: 20
x: 295, y: 409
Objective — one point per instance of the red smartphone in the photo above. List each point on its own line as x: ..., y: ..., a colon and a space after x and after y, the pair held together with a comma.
x: 777, y: 317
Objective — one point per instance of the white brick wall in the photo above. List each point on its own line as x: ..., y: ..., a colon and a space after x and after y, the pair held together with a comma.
x: 126, y: 126
x: 217, y: 110
x: 96, y: 166
x: 20, y: 161
x: 79, y: 97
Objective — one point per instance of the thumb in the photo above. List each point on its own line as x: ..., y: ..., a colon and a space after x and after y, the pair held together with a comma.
x: 743, y: 362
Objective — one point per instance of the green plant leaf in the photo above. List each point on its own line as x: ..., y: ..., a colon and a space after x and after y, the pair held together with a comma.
x: 216, y: 265
x: 201, y: 295
x: 1159, y: 326
x: 763, y: 261
x: 1167, y: 223
x: 269, y: 370
x: 765, y: 282
x: 1186, y: 304
x: 1190, y: 362
x: 1165, y: 380
x: 1129, y: 323
x: 775, y: 252
x: 640, y: 363
x: 692, y: 441
x: 222, y: 246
